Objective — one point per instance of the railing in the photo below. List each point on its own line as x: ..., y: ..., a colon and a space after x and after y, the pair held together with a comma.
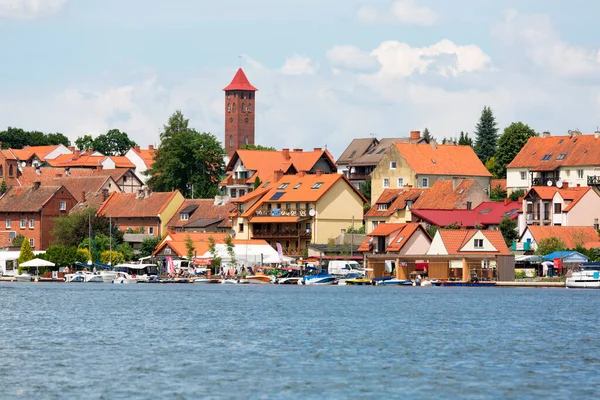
x: 293, y: 252
x: 593, y: 180
x: 281, y: 212
x: 358, y: 177
x: 533, y: 216
x: 289, y: 233
x: 543, y: 181
x: 239, y: 181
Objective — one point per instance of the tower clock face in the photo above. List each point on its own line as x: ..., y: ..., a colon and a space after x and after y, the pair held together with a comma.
x: 230, y: 119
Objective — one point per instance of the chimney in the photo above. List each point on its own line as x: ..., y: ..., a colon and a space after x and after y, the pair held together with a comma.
x: 433, y: 144
x: 545, y: 134
x: 506, y: 201
x: 147, y: 191
x: 415, y: 135
x: 298, y: 150
x: 104, y: 194
x: 319, y: 172
x: 71, y: 149
x: 277, y: 175
x: 286, y: 154
x: 596, y: 134
x: 301, y: 173
x: 83, y: 196
x: 137, y: 148
x: 318, y: 149
x: 150, y: 147
x: 36, y: 185
x: 77, y: 153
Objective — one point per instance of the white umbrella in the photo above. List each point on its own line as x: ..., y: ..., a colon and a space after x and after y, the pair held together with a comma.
x: 37, y: 262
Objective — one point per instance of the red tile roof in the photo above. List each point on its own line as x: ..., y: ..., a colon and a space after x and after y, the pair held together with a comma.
x: 578, y: 150
x: 455, y: 239
x: 240, y: 82
x: 27, y: 199
x: 386, y: 229
x: 122, y: 162
x: 402, y: 233
x: 130, y: 205
x: 395, y: 199
x: 498, y: 182
x: 146, y: 154
x: 443, y: 196
x: 200, y: 209
x: 78, y: 185
x: 570, y: 235
x: 487, y: 213
x: 8, y: 154
x: 442, y: 159
x: 27, y: 152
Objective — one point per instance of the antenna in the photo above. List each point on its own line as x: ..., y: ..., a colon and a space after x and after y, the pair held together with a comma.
x: 240, y: 57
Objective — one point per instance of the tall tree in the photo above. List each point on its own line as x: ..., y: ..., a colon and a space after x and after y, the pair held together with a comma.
x: 17, y: 138
x: 57, y: 138
x: 508, y: 228
x: 256, y: 147
x: 365, y: 188
x: 464, y: 139
x: 25, y: 255
x: 187, y: 160
x: 113, y: 143
x: 189, y: 245
x: 230, y: 250
x: 73, y: 229
x: 84, y: 142
x: 486, y: 135
x: 509, y: 144
x: 148, y: 246
x: 427, y: 135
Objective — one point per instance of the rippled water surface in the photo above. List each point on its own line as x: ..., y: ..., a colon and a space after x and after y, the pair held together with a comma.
x: 251, y: 341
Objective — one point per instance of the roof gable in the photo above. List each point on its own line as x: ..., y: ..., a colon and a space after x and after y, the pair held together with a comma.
x: 443, y: 195
x: 433, y: 159
x: 469, y: 244
x: 455, y: 241
x: 570, y: 235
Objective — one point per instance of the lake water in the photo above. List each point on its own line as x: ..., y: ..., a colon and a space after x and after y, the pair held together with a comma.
x: 249, y: 341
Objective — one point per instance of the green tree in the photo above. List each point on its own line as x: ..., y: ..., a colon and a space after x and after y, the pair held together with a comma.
x: 187, y: 160
x: 486, y: 135
x: 508, y: 228
x: 513, y: 139
x: 550, y: 245
x: 63, y: 256
x: 71, y: 230
x: 215, y: 261
x: 126, y: 250
x: 432, y: 230
x: 113, y: 143
x: 517, y: 194
x: 257, y: 182
x: 256, y: 147
x: 230, y: 250
x: 358, y: 231
x: 148, y: 246
x: 497, y: 193
x: 18, y: 240
x: 464, y: 139
x: 490, y: 165
x: 111, y: 257
x: 25, y: 255
x: 3, y: 187
x: 189, y: 245
x: 84, y: 142
x: 57, y: 138
x: 365, y: 188
x: 427, y: 135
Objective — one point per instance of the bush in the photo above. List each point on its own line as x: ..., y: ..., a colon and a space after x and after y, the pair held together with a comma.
x: 520, y: 275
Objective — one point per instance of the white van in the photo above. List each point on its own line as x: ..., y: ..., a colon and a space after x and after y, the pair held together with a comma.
x: 344, y: 267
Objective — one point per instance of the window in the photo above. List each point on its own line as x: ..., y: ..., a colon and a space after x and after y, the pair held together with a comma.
x: 233, y: 193
x: 8, y: 223
x: 375, y: 223
x: 352, y: 154
x: 243, y: 107
x: 469, y: 205
x: 32, y: 243
x: 233, y: 107
x: 380, y: 151
x: 266, y: 184
x: 392, y: 164
x: 10, y: 171
x: 231, y: 141
x: 184, y: 216
x: 228, y: 107
x: 31, y: 223
x: 400, y: 182
x: 124, y: 179
x: 240, y: 227
x: 523, y: 175
x: 317, y: 185
x: 150, y: 230
x: 561, y: 156
x: 382, y: 207
x: 557, y: 208
x: 249, y: 109
x: 297, y: 185
x: 479, y: 243
x: 580, y: 173
x: 546, y: 157
x: 23, y: 223
x: 283, y: 186
x: 386, y: 182
x: 63, y: 205
x: 425, y: 182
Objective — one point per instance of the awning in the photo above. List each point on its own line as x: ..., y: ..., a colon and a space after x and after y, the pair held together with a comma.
x: 266, y: 220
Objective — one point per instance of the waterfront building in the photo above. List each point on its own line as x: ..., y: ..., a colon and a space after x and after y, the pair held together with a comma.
x: 202, y: 215
x: 572, y: 236
x: 393, y: 206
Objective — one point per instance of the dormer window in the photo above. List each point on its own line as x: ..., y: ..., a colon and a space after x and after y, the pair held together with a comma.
x: 266, y: 184
x: 479, y: 243
x: 317, y: 185
x: 297, y: 185
x: 184, y: 216
x: 282, y: 186
x: 561, y: 156
x: 382, y: 207
x: 546, y: 157
x: 352, y: 154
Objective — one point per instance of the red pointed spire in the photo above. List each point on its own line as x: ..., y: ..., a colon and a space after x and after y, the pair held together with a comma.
x: 240, y: 82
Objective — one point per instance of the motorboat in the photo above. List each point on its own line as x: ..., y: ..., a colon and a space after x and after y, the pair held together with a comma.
x: 259, y: 279
x: 108, y: 275
x: 25, y: 277
x: 318, y: 279
x: 587, y: 276
x: 343, y: 279
x: 396, y: 282
x: 360, y: 281
x: 289, y: 276
x: 207, y: 280
x: 230, y: 281
x: 75, y: 277
x: 141, y: 272
x: 124, y: 278
x: 92, y: 277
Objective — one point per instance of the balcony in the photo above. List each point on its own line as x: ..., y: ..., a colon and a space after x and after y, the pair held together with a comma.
x: 358, y: 176
x: 281, y: 212
x: 593, y: 180
x: 239, y: 181
x: 294, y: 252
x: 533, y: 217
x: 290, y: 233
x: 543, y: 181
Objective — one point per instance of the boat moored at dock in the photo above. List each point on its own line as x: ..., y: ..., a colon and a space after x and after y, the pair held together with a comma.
x: 587, y: 276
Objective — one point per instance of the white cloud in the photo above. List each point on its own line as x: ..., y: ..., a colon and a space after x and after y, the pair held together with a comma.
x: 298, y: 65
x: 29, y: 8
x: 352, y: 58
x: 402, y: 11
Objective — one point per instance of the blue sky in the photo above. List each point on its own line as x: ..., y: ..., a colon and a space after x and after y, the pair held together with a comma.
x: 327, y: 70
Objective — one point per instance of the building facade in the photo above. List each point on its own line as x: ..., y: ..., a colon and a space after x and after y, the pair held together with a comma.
x: 240, y: 98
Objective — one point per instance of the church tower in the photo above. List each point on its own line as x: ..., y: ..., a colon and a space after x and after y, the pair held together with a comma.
x: 239, y: 113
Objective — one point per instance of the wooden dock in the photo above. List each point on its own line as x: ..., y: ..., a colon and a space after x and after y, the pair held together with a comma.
x: 539, y: 284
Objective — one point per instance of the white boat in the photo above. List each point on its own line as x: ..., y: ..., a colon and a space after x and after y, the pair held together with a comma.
x: 229, y: 281
x: 207, y: 280
x: 259, y: 279
x: 92, y: 277
x: 108, y: 276
x: 75, y: 277
x: 318, y: 280
x: 124, y: 278
x: 24, y: 277
x: 396, y: 282
x: 586, y: 277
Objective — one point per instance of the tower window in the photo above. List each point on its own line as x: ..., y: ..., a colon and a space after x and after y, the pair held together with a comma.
x: 249, y: 109
x: 233, y: 107
x: 231, y: 141
x: 228, y: 107
x: 250, y: 96
x: 246, y: 139
x: 243, y: 107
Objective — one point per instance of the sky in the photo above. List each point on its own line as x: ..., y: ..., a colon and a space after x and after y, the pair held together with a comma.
x: 327, y: 71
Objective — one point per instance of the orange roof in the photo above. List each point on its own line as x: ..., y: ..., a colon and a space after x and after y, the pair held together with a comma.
x: 146, y: 154
x: 455, y: 239
x: 129, y: 205
x: 443, y: 196
x: 122, y: 162
x: 240, y: 82
x: 8, y: 154
x: 176, y: 241
x: 498, y: 182
x: 27, y: 199
x: 395, y: 199
x: 200, y: 209
x: 404, y: 235
x: 27, y: 152
x: 442, y: 159
x: 386, y: 229
x: 542, y: 154
x: 76, y: 160
x: 574, y: 194
x: 78, y: 185
x: 570, y: 235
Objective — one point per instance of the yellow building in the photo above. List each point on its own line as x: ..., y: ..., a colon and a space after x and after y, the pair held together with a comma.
x: 393, y: 206
x: 421, y: 165
x: 295, y: 210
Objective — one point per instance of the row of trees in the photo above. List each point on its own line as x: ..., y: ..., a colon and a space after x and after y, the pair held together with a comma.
x: 17, y: 138
x: 112, y: 143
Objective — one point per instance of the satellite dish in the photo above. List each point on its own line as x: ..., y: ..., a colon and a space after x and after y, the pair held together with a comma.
x: 312, y: 212
x: 232, y: 233
x: 549, y: 183
x: 559, y: 184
